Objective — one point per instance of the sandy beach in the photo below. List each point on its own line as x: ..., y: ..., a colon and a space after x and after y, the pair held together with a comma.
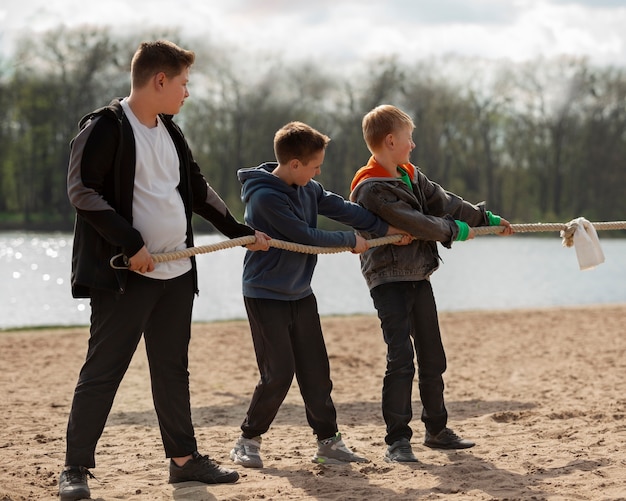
x: 540, y: 391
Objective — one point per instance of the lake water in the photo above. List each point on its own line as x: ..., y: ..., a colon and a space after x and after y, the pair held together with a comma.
x: 486, y: 273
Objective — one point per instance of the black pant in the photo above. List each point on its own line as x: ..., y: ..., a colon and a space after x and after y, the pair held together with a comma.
x: 161, y: 311
x: 407, y: 310
x: 288, y: 340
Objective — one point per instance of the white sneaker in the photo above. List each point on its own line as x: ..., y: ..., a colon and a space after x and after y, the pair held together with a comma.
x: 334, y: 451
x: 246, y: 452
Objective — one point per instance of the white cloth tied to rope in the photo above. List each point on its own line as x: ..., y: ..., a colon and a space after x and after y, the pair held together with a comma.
x: 583, y: 236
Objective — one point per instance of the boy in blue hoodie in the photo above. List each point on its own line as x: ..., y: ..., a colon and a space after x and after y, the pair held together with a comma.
x: 283, y: 201
x: 399, y: 278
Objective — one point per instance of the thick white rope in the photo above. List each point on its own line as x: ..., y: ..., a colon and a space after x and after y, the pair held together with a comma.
x: 279, y: 244
x: 567, y: 232
x: 568, y: 228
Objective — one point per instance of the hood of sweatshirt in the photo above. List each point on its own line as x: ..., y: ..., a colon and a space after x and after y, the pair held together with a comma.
x: 373, y: 171
x: 260, y: 177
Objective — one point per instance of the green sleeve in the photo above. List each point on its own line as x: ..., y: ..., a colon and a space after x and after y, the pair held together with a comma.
x: 493, y: 219
x: 464, y: 230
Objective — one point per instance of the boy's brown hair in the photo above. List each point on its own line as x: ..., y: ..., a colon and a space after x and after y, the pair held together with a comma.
x: 154, y: 57
x: 381, y: 121
x: 297, y: 140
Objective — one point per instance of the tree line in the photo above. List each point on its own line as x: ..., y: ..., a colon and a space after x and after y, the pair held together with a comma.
x: 543, y: 140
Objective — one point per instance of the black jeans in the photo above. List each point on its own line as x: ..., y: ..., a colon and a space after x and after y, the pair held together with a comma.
x: 161, y: 311
x: 288, y: 340
x: 408, y: 315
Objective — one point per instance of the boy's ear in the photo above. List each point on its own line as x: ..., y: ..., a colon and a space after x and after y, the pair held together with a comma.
x: 389, y: 141
x: 294, y: 163
x: 159, y: 79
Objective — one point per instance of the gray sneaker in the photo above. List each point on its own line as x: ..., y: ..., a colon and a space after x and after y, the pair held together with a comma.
x: 246, y: 452
x: 400, y: 452
x: 334, y: 451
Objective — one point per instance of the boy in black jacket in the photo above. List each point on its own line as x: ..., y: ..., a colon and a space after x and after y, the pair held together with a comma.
x: 134, y: 184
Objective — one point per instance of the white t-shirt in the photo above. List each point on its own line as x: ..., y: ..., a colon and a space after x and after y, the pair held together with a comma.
x: 158, y: 209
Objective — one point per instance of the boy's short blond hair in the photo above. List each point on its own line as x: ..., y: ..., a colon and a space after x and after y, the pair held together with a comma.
x: 297, y: 140
x: 381, y: 121
x: 153, y: 57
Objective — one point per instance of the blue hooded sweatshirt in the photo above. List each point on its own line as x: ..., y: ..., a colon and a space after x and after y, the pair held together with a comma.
x: 290, y: 213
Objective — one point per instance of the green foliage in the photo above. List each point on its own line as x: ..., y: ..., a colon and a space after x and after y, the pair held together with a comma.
x: 540, y: 141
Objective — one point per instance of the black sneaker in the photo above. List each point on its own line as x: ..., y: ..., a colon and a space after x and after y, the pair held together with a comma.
x: 400, y: 452
x: 73, y: 483
x: 201, y: 469
x: 447, y: 439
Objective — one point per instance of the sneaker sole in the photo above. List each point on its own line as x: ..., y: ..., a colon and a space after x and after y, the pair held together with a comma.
x: 325, y: 460
x: 226, y: 479
x: 450, y: 447
x: 246, y: 464
x: 389, y: 460
x: 74, y: 496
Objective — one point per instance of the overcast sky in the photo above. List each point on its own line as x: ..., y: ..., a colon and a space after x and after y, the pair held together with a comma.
x: 345, y: 31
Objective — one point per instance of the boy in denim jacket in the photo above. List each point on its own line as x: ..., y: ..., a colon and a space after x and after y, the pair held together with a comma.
x: 398, y: 276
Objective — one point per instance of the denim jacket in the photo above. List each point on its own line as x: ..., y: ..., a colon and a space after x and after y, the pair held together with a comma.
x: 426, y: 211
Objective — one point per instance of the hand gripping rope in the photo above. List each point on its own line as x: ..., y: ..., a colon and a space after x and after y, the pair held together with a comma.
x: 587, y: 247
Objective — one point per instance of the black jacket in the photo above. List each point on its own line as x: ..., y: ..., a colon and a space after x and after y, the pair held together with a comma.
x: 100, y: 182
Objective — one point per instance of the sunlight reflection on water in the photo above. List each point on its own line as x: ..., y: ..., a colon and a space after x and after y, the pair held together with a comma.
x: 486, y: 273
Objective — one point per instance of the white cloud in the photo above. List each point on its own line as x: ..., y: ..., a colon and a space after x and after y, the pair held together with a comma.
x: 342, y: 31
x: 518, y: 30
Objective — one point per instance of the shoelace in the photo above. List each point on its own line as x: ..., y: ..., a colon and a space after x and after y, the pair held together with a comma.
x: 449, y: 434
x: 251, y: 450
x: 404, y: 448
x: 78, y: 475
x: 203, y: 459
x: 336, y: 438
